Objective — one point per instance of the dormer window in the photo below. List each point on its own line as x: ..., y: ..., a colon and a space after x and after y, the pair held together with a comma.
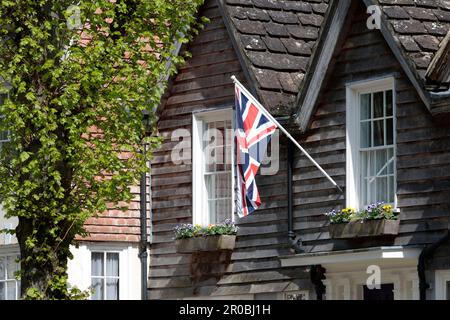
x: 371, y: 151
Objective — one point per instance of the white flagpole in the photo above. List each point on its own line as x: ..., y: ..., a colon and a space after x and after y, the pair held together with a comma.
x: 268, y: 115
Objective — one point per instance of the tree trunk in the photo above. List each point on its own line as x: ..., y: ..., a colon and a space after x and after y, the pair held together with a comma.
x: 43, y: 266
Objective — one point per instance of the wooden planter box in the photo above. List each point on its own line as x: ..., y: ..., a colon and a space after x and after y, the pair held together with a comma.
x: 368, y: 228
x: 209, y: 243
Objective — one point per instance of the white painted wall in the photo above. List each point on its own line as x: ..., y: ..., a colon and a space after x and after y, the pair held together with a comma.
x: 79, y: 268
x: 10, y: 223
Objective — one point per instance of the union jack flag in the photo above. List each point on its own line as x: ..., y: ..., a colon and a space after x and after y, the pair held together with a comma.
x: 253, y: 130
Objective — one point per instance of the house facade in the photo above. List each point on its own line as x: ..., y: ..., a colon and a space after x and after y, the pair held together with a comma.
x: 363, y: 86
x: 108, y: 260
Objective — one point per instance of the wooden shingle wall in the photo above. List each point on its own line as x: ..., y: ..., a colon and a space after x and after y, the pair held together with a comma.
x: 423, y: 149
x: 202, y: 83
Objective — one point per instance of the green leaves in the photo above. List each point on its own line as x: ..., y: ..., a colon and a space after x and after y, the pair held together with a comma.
x: 74, y: 114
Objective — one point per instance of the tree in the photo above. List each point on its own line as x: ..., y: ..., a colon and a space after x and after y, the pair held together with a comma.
x: 79, y: 75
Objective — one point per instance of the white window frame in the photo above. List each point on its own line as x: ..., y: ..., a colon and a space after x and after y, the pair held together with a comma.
x: 441, y: 277
x: 199, y: 192
x: 106, y: 277
x: 80, y: 273
x: 11, y: 251
x: 353, y: 91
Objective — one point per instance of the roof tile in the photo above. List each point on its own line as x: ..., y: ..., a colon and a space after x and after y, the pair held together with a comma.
x: 274, y: 44
x: 277, y: 61
x: 442, y: 15
x: 409, y: 44
x: 298, y: 6
x: 409, y: 27
x: 396, y: 12
x: 310, y: 19
x: 436, y: 28
x: 300, y: 32
x: 421, y: 13
x: 296, y: 46
x: 249, y: 27
x: 267, y: 79
x: 283, y: 17
x: 252, y: 42
x: 277, y: 30
x: 266, y: 4
x: 256, y: 14
x: 427, y: 42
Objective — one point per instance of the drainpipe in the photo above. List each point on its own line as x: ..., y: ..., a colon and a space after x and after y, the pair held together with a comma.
x: 294, y: 240
x: 143, y: 217
x: 426, y: 253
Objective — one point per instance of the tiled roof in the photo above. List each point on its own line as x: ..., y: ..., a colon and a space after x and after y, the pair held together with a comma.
x: 277, y: 39
x: 419, y: 26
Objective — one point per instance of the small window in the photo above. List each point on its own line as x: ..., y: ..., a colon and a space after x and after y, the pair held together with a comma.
x: 105, y: 275
x: 371, y: 150
x: 212, y: 167
x: 9, y: 286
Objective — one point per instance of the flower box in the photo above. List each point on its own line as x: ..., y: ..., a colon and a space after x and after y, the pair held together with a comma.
x: 366, y: 228
x: 206, y: 243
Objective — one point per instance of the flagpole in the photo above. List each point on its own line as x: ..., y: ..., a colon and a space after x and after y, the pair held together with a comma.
x: 268, y: 115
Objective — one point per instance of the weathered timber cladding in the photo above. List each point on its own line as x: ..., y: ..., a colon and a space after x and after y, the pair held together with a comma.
x: 202, y: 83
x: 423, y: 163
x: 423, y: 149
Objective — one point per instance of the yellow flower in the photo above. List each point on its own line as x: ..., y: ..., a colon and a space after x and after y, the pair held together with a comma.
x: 387, y: 207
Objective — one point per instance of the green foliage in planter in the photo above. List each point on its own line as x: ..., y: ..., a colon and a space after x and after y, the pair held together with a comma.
x: 374, y: 211
x: 185, y: 231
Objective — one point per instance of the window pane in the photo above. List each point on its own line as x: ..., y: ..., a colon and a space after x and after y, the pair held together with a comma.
x: 364, y: 199
x: 378, y: 103
x: 97, y: 286
x: 217, y: 178
x: 389, y: 103
x: 2, y: 291
x: 391, y: 189
x: 381, y: 160
x: 371, y: 189
x: 219, y: 210
x: 112, y: 289
x: 389, y: 131
x: 390, y: 153
x: 2, y: 268
x: 11, y: 290
x: 366, y: 134
x: 382, y: 189
x: 378, y: 133
x: 11, y: 267
x: 112, y: 264
x: 365, y: 106
x: 97, y: 264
